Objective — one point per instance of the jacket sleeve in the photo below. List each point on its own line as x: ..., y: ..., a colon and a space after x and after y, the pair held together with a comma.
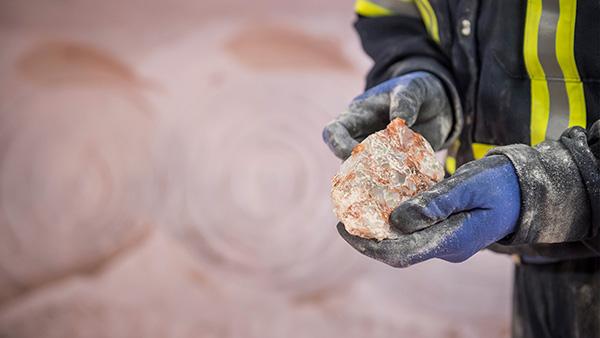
x: 560, y: 190
x: 399, y: 44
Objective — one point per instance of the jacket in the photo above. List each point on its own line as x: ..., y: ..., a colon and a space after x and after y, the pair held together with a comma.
x: 524, y: 81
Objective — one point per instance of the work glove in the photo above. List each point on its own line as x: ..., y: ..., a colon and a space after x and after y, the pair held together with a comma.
x: 477, y: 206
x: 419, y: 98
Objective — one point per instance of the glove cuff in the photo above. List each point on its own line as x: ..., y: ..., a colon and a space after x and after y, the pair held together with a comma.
x: 554, y: 204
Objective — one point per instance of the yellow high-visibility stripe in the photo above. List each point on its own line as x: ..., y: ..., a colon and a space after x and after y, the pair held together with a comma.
x: 540, y: 98
x: 577, y: 109
x: 565, y: 53
x: 450, y: 164
x: 429, y: 18
x: 371, y: 9
x: 480, y: 149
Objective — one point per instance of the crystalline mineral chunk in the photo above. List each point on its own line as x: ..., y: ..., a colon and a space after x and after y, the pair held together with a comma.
x: 384, y: 170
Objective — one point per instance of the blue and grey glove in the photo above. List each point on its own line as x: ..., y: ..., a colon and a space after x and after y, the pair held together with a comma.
x: 477, y: 206
x: 418, y: 97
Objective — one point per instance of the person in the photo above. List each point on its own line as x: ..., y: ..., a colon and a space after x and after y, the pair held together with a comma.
x: 512, y: 89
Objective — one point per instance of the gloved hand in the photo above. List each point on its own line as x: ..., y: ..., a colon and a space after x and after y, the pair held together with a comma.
x: 477, y: 206
x: 419, y: 98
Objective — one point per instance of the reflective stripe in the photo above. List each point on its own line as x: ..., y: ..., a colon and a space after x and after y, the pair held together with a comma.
x: 558, y: 117
x: 565, y: 53
x: 547, y: 38
x: 577, y: 109
x: 540, y: 98
x: 450, y: 164
x: 368, y: 8
x: 480, y: 149
x: 374, y: 8
x: 429, y: 18
x: 451, y: 157
x: 557, y: 98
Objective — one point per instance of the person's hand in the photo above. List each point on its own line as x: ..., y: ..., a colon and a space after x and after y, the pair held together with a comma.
x: 456, y: 218
x: 419, y: 98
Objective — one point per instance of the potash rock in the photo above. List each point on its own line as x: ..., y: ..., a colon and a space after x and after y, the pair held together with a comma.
x: 387, y: 168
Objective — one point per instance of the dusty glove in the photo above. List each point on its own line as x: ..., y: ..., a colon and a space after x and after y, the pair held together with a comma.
x: 456, y: 218
x: 419, y: 98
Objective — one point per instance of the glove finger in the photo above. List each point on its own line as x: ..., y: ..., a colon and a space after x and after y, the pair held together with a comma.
x: 362, y: 121
x: 436, y: 100
x: 447, y: 197
x: 365, y: 115
x: 452, y: 195
x: 368, y: 112
x: 376, y: 99
x: 424, y: 210
x: 436, y: 241
x: 435, y: 130
x: 409, y: 249
x: 338, y: 139
x: 405, y: 104
x: 474, y: 235
x: 379, y: 250
x: 410, y: 95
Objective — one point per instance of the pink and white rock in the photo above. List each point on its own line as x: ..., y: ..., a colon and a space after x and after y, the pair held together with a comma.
x: 387, y: 168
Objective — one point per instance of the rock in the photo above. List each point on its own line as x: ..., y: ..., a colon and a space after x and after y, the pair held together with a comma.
x: 384, y: 170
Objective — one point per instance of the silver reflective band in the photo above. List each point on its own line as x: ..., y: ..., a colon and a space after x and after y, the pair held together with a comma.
x: 559, y: 101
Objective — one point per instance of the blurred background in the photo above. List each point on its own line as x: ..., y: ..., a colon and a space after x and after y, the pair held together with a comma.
x: 162, y: 174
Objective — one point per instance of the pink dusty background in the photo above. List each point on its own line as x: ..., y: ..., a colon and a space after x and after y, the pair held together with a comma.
x: 162, y: 174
